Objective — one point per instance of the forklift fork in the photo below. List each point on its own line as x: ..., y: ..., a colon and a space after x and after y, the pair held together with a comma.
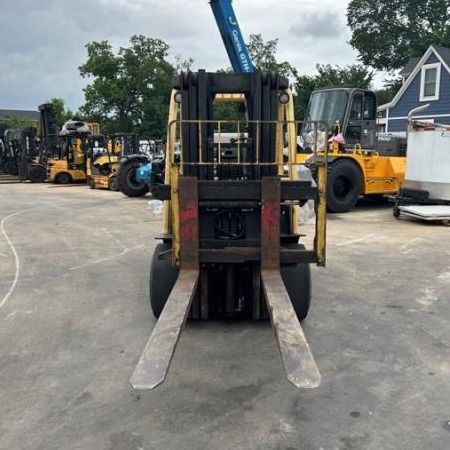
x: 300, y: 367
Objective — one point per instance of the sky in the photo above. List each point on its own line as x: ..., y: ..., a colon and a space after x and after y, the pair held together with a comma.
x: 42, y: 43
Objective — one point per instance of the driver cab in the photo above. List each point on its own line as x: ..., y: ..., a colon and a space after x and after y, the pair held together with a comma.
x: 361, y: 119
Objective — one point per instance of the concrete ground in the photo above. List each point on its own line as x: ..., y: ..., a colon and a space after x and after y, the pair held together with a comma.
x: 75, y: 316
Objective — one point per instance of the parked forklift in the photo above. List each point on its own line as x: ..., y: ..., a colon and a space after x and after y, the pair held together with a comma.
x: 362, y: 161
x: 231, y: 244
x: 102, y: 163
x: 33, y: 161
x: 11, y: 151
x: 68, y: 164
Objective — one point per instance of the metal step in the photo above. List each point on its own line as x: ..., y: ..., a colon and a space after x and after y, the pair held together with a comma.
x: 301, y: 369
x: 151, y: 370
x: 7, y: 178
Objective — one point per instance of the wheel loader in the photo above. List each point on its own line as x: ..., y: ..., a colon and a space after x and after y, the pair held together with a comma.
x: 361, y: 160
x: 231, y: 245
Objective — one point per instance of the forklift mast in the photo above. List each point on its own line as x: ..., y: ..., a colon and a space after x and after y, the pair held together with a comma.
x: 261, y: 92
x: 48, y: 131
x: 232, y: 36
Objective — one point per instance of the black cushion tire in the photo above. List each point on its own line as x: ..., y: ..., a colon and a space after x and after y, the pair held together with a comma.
x: 297, y: 280
x: 162, y: 279
x: 63, y: 178
x: 343, y: 185
x: 11, y: 167
x: 113, y: 184
x: 37, y: 174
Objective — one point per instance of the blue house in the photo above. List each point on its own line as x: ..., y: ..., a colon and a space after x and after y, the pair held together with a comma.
x: 425, y: 80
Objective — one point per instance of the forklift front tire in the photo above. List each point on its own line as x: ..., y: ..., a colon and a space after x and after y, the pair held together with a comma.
x: 343, y: 185
x: 37, y: 174
x: 163, y: 276
x: 63, y: 178
x: 297, y: 279
x: 112, y: 184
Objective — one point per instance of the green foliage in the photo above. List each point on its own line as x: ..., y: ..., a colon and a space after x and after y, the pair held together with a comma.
x: 130, y: 91
x: 62, y: 114
x: 389, y: 33
x: 263, y: 56
x: 12, y: 122
x: 391, y: 87
x: 354, y: 75
x: 303, y: 87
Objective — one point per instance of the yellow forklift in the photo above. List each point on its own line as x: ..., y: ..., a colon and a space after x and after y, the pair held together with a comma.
x: 39, y: 145
x: 231, y: 245
x: 362, y: 161
x: 105, y: 158
x: 68, y: 162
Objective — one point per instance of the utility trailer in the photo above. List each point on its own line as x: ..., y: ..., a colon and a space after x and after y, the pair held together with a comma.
x: 425, y: 193
x: 231, y: 241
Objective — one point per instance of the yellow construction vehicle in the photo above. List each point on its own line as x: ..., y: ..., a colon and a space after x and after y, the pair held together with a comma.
x: 106, y: 156
x: 39, y: 144
x: 362, y: 161
x: 231, y: 243
x: 102, y: 163
x: 69, y: 164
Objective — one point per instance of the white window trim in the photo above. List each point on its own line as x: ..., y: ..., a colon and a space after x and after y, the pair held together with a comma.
x: 436, y: 66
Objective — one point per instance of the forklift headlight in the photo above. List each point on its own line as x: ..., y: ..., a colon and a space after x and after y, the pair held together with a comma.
x: 177, y: 97
x: 283, y: 98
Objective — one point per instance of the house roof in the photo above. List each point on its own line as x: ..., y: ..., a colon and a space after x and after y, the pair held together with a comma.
x: 442, y: 53
x: 19, y: 114
x: 409, y: 67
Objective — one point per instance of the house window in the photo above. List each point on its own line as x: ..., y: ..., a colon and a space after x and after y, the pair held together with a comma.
x: 430, y: 81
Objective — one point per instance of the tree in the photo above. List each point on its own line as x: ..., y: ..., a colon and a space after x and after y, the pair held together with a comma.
x: 130, y: 91
x: 389, y: 33
x: 62, y: 114
x: 303, y: 87
x: 391, y: 87
x: 354, y: 75
x: 263, y: 56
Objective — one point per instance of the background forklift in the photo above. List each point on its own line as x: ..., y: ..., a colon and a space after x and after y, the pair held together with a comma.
x: 230, y: 243
x: 33, y: 161
x: 39, y: 145
x: 68, y: 162
x: 109, y: 162
x: 10, y: 151
x: 362, y: 161
x: 102, y: 163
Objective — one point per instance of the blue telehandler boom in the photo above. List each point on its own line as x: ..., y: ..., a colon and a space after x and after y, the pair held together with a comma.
x: 135, y: 175
x: 231, y: 35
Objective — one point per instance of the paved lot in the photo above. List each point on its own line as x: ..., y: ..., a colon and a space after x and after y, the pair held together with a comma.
x: 75, y: 316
